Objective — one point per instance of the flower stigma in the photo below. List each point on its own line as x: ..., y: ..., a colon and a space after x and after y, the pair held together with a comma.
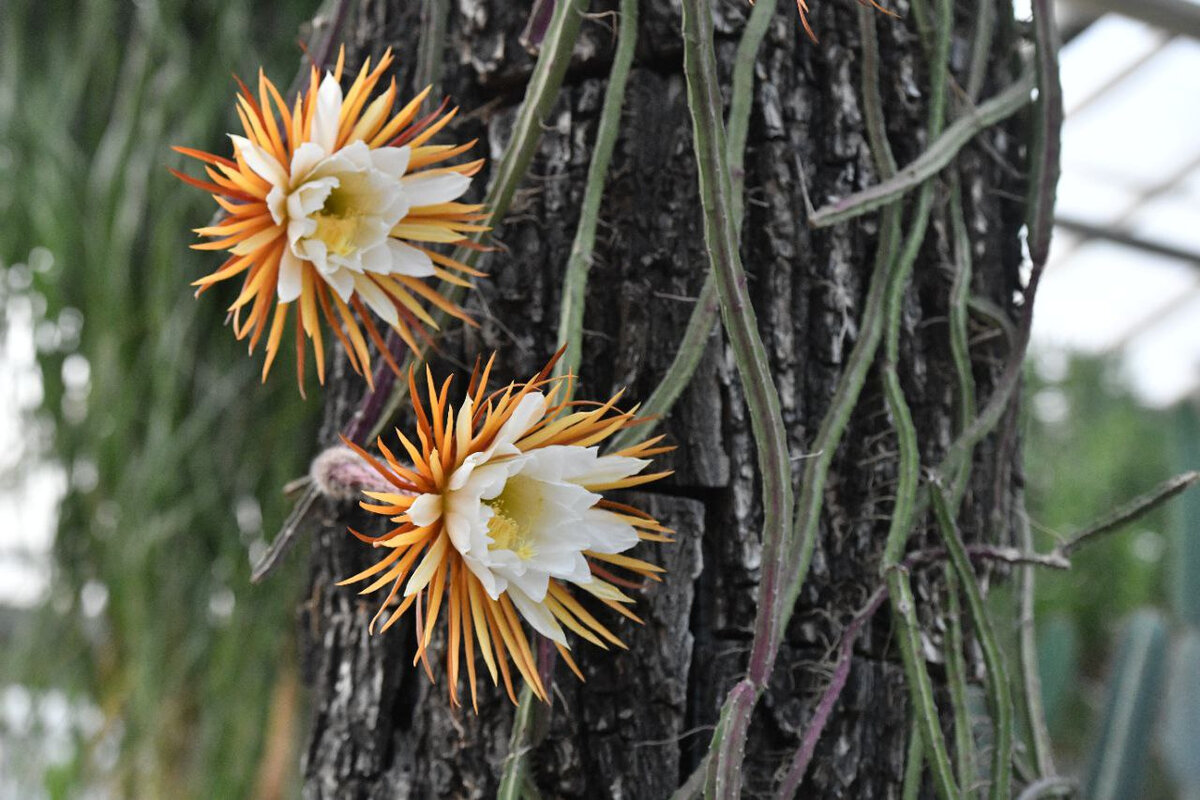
x: 516, y: 511
x: 338, y: 222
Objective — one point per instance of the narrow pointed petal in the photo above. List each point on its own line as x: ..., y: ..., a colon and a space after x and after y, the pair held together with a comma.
x: 325, y: 117
x: 290, y: 276
x: 431, y: 190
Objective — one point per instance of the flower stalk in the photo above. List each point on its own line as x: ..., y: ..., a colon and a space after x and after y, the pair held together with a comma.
x: 841, y: 673
x: 999, y: 692
x: 574, y: 292
x: 570, y: 331
x: 762, y: 398
x: 703, y: 318
x: 936, y: 157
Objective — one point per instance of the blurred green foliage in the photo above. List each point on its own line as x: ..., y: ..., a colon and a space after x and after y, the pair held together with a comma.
x: 175, y: 453
x: 1117, y: 766
x: 1091, y: 446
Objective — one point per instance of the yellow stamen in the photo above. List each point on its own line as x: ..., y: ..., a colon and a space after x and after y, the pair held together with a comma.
x: 516, y: 510
x: 338, y: 232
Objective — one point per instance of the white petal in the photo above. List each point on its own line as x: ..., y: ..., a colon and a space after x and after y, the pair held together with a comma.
x: 309, y: 199
x: 607, y: 533
x: 325, y: 117
x: 305, y: 160
x: 477, y: 478
x: 492, y: 584
x: 423, y: 190
x: 463, y: 426
x: 355, y: 156
x: 461, y: 523
x: 342, y: 281
x: 290, y: 274
x: 480, y: 542
x: 376, y: 298
x: 460, y: 476
x: 506, y: 564
x: 537, y: 615
x: 563, y: 500
x: 581, y: 573
x: 530, y: 578
x: 408, y: 260
x: 582, y: 465
x: 487, y: 481
x: 425, y: 510
x: 372, y: 234
x: 562, y: 462
x: 313, y: 250
x: 377, y: 259
x: 298, y: 231
x: 260, y: 161
x: 277, y: 204
x: 392, y: 161
x: 562, y: 533
x: 427, y: 567
x: 569, y: 565
x: 528, y: 413
x: 606, y: 469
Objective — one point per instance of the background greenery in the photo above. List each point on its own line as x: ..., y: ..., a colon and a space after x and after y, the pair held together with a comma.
x: 168, y: 658
x: 1090, y: 446
x: 178, y: 677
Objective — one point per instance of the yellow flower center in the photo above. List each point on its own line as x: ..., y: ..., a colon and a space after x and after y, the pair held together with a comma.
x: 337, y: 233
x: 339, y: 219
x: 515, y: 511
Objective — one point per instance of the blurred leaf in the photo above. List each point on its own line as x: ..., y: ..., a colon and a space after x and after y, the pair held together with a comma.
x: 1090, y: 446
x: 1058, y: 657
x: 1118, y: 762
x: 1186, y: 541
x: 1180, y: 733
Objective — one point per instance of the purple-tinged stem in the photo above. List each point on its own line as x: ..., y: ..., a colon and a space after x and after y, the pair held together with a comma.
x: 987, y: 552
x: 1047, y: 150
x: 338, y: 21
x: 546, y: 658
x: 539, y: 22
x: 841, y: 673
x: 375, y: 400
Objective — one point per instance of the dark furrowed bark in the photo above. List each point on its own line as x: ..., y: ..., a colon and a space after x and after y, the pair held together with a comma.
x: 640, y: 723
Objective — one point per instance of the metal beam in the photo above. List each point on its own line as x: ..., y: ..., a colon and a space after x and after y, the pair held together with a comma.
x: 1126, y: 239
x: 1176, y: 16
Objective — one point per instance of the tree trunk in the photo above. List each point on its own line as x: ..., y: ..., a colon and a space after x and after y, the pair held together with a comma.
x: 641, y: 722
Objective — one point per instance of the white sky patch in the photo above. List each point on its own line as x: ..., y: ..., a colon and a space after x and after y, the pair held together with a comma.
x: 1171, y: 219
x: 1092, y: 198
x: 1191, y: 185
x: 1143, y: 129
x: 1164, y: 360
x: 1100, y: 296
x: 30, y: 488
x: 1132, y: 129
x: 1098, y: 56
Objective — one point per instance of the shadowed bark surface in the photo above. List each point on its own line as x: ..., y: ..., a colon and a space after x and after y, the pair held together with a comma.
x: 642, y: 721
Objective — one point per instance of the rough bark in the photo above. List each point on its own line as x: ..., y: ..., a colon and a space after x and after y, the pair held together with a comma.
x: 642, y: 720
